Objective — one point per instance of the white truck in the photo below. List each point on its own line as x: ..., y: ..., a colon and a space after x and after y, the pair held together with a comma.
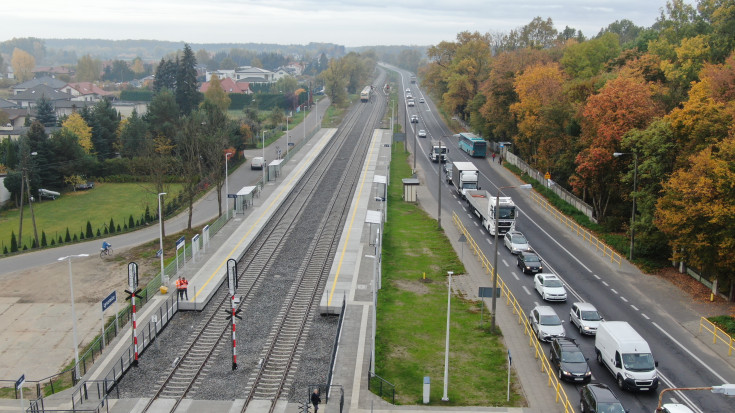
x: 465, y: 176
x: 626, y: 355
x: 483, y: 205
x: 438, y: 152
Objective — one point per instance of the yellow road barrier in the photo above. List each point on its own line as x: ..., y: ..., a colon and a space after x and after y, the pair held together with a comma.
x: 553, y: 381
x: 717, y: 334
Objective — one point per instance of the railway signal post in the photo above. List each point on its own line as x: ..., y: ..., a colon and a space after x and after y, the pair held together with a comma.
x: 234, y: 312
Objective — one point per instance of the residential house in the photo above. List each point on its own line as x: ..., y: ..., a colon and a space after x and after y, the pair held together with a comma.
x: 221, y: 74
x: 229, y: 86
x: 246, y: 73
x: 52, y: 71
x: 86, y: 91
x: 55, y: 84
x: 17, y: 117
x: 28, y: 97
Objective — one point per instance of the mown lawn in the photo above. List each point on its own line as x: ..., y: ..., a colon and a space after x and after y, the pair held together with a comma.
x: 73, y: 209
x: 411, y: 315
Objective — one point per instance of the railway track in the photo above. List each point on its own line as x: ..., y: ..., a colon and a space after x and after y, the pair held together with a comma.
x: 338, y: 169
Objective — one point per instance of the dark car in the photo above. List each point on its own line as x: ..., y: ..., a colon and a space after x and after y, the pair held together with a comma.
x: 570, y: 362
x: 529, y: 262
x: 598, y: 398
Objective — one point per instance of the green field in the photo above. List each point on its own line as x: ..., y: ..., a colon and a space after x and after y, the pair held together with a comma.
x: 73, y: 209
x: 411, y: 325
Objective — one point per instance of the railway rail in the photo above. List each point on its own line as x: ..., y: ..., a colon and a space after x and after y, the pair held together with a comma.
x: 322, y: 197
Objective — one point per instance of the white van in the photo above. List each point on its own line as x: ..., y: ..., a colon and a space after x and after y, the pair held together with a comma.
x: 258, y: 162
x: 627, y: 355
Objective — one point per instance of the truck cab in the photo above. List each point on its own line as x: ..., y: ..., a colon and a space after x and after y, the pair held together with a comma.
x: 438, y: 152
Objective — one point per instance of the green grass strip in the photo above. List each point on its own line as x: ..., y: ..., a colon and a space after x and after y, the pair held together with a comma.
x: 412, y: 314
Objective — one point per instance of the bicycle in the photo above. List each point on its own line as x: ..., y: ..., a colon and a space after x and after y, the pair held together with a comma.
x: 105, y: 251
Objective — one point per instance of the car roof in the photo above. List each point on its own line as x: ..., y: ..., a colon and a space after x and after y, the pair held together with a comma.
x: 585, y: 306
x: 547, y: 276
x: 544, y: 310
x: 566, y: 343
x: 602, y: 393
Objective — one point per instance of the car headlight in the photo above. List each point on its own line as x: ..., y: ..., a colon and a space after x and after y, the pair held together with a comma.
x: 628, y: 375
x: 589, y: 373
x: 586, y: 328
x: 566, y: 373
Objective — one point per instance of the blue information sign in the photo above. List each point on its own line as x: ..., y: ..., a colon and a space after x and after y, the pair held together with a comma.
x: 20, y: 381
x: 232, y: 195
x: 110, y: 300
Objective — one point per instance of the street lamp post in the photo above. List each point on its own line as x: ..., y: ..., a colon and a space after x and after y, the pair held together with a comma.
x: 164, y: 278
x: 635, y: 189
x: 73, y: 313
x: 445, y: 397
x: 287, y: 135
x: 495, y: 263
x: 263, y: 166
x: 726, y: 389
x: 227, y: 186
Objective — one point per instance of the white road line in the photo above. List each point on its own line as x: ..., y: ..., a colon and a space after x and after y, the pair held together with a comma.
x: 526, y: 290
x: 613, y: 290
x: 488, y: 241
x: 515, y: 276
x: 476, y: 224
x: 605, y: 284
x: 686, y: 400
x: 505, y: 262
x: 645, y: 316
x: 623, y: 298
x: 634, y: 307
x: 692, y: 355
x: 596, y: 276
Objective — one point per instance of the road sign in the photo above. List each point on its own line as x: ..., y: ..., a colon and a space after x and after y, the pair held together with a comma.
x: 290, y: 144
x: 20, y: 381
x: 159, y: 253
x: 547, y: 175
x: 109, y: 300
x: 487, y: 292
x: 180, y: 241
x: 232, y: 195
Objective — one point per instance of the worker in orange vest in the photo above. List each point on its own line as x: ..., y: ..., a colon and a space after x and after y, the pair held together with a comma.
x: 185, y: 288
x: 179, y: 287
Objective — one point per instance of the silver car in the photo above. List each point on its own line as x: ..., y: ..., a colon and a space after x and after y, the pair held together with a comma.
x: 550, y: 287
x: 516, y: 242
x: 545, y: 323
x: 586, y: 317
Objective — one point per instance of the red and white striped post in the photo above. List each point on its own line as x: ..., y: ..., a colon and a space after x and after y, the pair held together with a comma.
x: 233, y: 314
x: 133, y: 292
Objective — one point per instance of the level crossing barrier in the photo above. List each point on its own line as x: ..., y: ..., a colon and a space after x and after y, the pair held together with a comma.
x: 533, y: 342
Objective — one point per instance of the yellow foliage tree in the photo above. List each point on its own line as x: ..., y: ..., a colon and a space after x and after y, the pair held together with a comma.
x: 23, y: 64
x: 76, y: 125
x: 697, y: 211
x: 216, y: 95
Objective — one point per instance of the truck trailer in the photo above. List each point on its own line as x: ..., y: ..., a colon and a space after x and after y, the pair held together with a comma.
x: 438, y: 152
x: 483, y: 205
x: 465, y: 176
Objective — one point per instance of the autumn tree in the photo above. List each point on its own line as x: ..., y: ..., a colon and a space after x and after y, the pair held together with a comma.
x: 697, y: 212
x: 216, y: 94
x: 76, y: 125
x: 623, y: 104
x: 543, y: 113
x: 23, y: 64
x: 88, y: 69
x: 587, y: 59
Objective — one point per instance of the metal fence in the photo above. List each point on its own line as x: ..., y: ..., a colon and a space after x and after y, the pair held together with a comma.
x: 717, y: 334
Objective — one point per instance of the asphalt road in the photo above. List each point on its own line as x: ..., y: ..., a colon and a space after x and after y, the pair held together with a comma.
x: 657, y: 310
x: 205, y: 208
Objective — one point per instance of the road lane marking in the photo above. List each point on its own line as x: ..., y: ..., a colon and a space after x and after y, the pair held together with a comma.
x: 623, y: 298
x: 515, y: 276
x: 505, y: 262
x: 596, y: 276
x: 605, y: 284
x: 645, y: 316
x: 526, y: 290
x: 634, y: 307
x: 613, y: 290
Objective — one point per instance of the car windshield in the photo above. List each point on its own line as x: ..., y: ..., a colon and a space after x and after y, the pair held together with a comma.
x: 549, y: 320
x: 572, y: 357
x: 518, y: 239
x: 507, y: 212
x: 615, y: 407
x: 591, y: 316
x: 638, y: 361
x: 553, y: 283
x: 530, y: 258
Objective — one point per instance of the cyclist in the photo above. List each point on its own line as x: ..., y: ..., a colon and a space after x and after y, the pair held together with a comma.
x: 106, y: 245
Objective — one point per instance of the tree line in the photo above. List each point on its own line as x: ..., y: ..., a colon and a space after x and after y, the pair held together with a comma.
x: 660, y: 97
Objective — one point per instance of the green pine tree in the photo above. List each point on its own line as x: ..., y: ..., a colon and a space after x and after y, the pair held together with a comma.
x: 90, y: 234
x: 131, y: 222
x: 13, y: 242
x: 99, y: 234
x: 112, y: 226
x: 67, y: 237
x: 43, y: 239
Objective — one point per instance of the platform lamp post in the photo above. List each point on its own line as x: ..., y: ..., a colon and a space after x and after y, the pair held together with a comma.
x: 73, y: 313
x: 445, y: 397
x: 495, y: 263
x: 227, y: 186
x: 287, y: 134
x: 164, y: 278
x: 635, y: 189
x: 263, y: 166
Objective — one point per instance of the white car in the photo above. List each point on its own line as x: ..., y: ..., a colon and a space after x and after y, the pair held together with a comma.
x: 545, y: 323
x: 422, y: 133
x: 516, y: 242
x: 408, y: 90
x: 586, y: 317
x: 550, y: 287
x: 421, y: 100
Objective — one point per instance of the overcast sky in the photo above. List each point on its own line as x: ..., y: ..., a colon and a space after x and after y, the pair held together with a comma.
x: 346, y: 22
